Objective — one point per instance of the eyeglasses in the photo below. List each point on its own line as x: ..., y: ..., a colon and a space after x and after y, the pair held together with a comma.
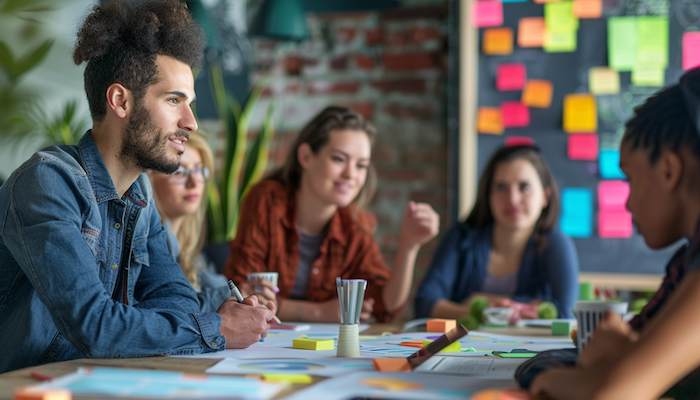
x: 182, y: 175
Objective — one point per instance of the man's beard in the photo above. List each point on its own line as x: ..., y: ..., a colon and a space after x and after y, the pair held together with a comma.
x: 145, y: 144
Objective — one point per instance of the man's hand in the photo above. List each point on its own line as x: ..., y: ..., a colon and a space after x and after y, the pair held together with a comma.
x: 244, y: 323
x: 420, y: 224
x: 262, y: 288
x: 612, y: 337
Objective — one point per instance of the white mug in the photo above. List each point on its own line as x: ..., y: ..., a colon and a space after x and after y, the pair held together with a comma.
x: 590, y: 314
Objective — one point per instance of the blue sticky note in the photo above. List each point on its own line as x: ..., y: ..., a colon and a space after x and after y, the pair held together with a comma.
x: 576, y: 212
x: 609, y: 165
x: 576, y: 227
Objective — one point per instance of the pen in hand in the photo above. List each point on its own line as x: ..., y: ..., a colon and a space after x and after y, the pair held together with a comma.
x: 239, y: 297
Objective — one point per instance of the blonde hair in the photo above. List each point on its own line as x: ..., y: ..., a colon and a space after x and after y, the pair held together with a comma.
x: 190, y: 236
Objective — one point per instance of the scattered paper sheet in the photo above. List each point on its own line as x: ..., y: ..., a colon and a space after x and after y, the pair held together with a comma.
x: 328, y: 366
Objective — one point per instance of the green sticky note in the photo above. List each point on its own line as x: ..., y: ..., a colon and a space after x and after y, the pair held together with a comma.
x: 291, y: 378
x: 561, y: 328
x: 645, y: 76
x: 586, y: 291
x: 454, y: 347
x: 652, y: 41
x: 559, y: 16
x: 622, y: 43
x: 516, y: 355
x: 563, y: 41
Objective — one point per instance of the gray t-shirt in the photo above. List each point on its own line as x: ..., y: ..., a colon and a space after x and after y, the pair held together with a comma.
x: 505, y: 286
x: 309, y: 250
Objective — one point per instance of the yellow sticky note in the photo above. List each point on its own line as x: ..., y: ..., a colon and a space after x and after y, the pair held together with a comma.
x: 580, y: 113
x: 489, y: 120
x: 498, y: 41
x: 603, y: 80
x: 313, y: 344
x: 291, y: 378
x: 537, y: 93
x: 391, y: 384
x: 588, y: 8
x: 453, y: 347
x: 645, y: 76
x: 531, y: 32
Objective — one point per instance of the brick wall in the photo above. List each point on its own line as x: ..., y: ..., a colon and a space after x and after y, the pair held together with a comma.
x: 390, y: 67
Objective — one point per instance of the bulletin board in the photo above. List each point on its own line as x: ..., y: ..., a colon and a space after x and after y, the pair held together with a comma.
x: 569, y: 73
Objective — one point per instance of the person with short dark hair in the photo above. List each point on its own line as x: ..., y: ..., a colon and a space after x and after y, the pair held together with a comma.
x: 658, y: 351
x: 509, y: 248
x: 85, y: 270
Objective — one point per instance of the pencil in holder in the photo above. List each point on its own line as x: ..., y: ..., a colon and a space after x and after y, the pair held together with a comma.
x: 351, y: 294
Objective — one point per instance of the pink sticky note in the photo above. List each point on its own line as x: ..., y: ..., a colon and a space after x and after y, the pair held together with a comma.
x: 691, y: 50
x: 510, y: 76
x: 614, y: 224
x: 514, y: 114
x: 519, y: 141
x: 583, y: 146
x: 612, y: 195
x: 487, y: 13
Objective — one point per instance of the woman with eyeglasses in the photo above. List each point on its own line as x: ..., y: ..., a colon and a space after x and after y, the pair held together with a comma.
x: 180, y: 199
x: 307, y: 222
x: 509, y: 249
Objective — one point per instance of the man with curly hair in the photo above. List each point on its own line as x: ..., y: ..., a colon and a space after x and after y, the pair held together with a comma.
x: 84, y: 266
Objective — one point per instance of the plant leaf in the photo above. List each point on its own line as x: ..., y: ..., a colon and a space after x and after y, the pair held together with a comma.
x: 35, y: 57
x: 258, y: 155
x: 7, y: 60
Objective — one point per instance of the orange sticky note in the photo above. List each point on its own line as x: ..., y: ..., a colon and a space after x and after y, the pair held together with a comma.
x: 603, y: 80
x: 489, y: 120
x: 391, y: 384
x: 32, y: 393
x: 501, y: 394
x: 614, y: 224
x: 580, y: 113
x: 440, y: 325
x: 498, y: 41
x: 531, y: 32
x: 582, y: 146
x: 588, y: 8
x: 392, y: 365
x: 537, y: 93
x: 412, y: 343
x: 612, y: 195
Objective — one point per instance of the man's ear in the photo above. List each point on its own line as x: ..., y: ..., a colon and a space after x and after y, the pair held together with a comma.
x: 304, y: 154
x: 119, y: 100
x: 671, y: 169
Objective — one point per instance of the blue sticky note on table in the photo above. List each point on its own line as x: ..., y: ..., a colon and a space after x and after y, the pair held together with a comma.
x: 577, y: 212
x: 609, y: 165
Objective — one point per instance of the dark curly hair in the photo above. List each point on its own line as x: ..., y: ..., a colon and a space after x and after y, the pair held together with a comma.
x: 120, y: 43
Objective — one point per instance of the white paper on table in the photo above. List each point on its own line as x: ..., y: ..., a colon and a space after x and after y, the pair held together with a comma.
x: 426, y: 386
x: 330, y: 366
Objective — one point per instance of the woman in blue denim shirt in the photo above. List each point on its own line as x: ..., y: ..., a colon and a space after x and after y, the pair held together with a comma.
x: 181, y: 201
x: 508, y: 249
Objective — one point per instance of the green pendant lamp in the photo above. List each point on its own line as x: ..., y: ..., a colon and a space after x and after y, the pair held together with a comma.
x: 281, y: 20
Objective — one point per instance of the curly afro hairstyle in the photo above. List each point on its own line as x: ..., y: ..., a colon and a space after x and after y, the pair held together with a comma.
x: 120, y: 43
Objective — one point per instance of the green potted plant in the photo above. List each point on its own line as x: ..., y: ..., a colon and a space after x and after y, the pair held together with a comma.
x: 244, y: 162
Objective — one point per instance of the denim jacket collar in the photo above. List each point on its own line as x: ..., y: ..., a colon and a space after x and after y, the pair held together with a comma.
x: 101, y: 180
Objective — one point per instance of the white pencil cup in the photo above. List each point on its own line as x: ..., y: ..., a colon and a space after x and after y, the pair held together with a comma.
x: 349, y: 341
x: 590, y: 314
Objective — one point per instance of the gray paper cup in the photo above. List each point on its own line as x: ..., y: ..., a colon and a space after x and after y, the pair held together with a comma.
x: 590, y: 314
x: 268, y: 276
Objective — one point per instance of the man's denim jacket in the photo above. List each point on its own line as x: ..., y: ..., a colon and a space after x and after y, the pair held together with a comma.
x: 84, y: 273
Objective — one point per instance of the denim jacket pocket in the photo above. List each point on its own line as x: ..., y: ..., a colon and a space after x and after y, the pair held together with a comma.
x: 139, y: 254
x: 91, y: 238
x: 60, y: 349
